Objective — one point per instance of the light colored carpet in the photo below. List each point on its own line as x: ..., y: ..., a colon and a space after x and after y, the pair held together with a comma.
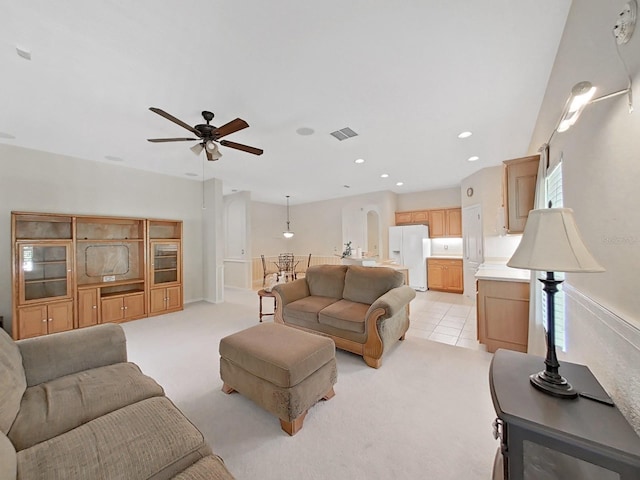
x: 425, y: 414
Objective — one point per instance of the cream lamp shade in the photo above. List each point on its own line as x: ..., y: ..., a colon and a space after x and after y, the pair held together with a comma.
x: 551, y: 242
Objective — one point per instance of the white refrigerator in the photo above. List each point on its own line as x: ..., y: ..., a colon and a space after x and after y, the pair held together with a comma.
x: 410, y: 246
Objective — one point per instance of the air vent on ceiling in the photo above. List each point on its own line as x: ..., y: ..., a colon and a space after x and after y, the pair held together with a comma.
x: 344, y: 133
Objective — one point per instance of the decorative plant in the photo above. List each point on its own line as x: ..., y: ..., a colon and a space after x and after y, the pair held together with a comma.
x: 347, y: 250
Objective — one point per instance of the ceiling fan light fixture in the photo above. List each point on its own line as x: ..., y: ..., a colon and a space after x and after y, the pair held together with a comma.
x: 197, y: 148
x: 212, y: 148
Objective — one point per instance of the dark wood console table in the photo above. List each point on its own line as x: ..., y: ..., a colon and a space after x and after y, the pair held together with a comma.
x: 544, y: 437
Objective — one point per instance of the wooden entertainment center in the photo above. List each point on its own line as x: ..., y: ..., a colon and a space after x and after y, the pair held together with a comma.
x: 72, y: 271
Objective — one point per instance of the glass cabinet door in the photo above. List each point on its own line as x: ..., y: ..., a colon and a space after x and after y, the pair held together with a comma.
x: 165, y: 263
x: 44, y: 272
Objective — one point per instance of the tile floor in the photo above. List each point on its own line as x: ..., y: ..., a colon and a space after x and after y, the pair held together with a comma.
x: 446, y: 318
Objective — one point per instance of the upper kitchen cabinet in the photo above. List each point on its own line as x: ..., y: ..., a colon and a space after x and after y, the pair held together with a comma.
x: 520, y: 176
x: 442, y: 222
x: 416, y: 217
x: 445, y: 222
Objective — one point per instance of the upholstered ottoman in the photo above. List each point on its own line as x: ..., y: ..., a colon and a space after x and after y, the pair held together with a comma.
x: 282, y: 369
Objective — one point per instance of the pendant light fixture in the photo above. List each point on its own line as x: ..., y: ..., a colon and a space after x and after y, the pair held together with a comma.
x: 287, y: 233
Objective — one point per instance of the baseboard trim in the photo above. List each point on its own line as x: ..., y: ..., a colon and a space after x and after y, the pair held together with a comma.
x: 617, y: 324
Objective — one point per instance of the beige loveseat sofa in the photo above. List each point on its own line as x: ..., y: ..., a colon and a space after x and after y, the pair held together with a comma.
x: 364, y: 309
x: 72, y: 407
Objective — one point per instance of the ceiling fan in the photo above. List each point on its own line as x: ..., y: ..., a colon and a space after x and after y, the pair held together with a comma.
x: 208, y: 135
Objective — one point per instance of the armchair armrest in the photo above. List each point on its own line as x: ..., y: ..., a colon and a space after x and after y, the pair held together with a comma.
x: 393, y: 301
x: 286, y: 293
x: 52, y: 356
x: 290, y: 292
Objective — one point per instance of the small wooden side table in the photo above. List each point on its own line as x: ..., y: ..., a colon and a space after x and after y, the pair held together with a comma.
x: 263, y: 293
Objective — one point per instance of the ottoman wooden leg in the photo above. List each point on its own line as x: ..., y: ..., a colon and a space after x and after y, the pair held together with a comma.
x: 227, y: 389
x: 295, y: 425
x: 330, y: 394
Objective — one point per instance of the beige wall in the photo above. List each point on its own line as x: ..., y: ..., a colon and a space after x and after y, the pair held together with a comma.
x: 487, y: 191
x: 445, y: 197
x: 31, y: 180
x: 601, y: 170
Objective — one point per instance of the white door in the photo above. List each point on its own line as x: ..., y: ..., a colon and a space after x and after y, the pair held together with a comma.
x: 472, y: 243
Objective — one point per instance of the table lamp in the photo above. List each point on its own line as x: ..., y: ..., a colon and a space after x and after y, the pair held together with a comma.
x: 551, y: 243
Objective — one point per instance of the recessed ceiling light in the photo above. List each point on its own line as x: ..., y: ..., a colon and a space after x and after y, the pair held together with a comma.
x: 384, y: 175
x: 305, y: 131
x: 359, y: 160
x: 8, y: 136
x: 113, y: 158
x: 191, y: 174
x: 464, y: 134
x: 399, y: 184
x: 473, y: 159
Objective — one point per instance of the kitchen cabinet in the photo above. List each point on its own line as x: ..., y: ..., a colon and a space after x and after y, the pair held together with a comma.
x: 519, y: 188
x: 445, y: 275
x: 442, y: 222
x: 446, y: 222
x: 503, y: 314
x: 417, y: 217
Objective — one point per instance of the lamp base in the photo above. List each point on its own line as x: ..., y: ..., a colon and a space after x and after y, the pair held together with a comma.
x: 553, y: 385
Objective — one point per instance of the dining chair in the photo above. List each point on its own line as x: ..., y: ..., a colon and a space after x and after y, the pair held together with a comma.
x: 286, y: 264
x: 296, y: 272
x: 267, y: 271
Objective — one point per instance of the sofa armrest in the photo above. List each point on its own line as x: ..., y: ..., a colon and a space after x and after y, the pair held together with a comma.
x: 393, y: 301
x: 52, y: 356
x: 286, y: 293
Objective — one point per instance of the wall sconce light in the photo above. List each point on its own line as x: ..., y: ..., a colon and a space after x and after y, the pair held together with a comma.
x: 287, y: 233
x: 581, y: 94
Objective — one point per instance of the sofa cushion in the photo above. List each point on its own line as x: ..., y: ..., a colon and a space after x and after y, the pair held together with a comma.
x: 13, y: 381
x: 367, y: 284
x: 326, y: 280
x: 210, y: 467
x: 8, y: 459
x: 60, y: 405
x: 345, y: 315
x: 150, y: 439
x: 307, y: 308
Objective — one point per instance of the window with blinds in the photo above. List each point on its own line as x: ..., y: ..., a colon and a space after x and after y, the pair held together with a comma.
x: 553, y: 194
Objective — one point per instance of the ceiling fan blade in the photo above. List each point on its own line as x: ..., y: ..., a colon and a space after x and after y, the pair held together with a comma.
x: 173, y: 119
x: 231, y: 127
x: 244, y: 148
x: 159, y: 140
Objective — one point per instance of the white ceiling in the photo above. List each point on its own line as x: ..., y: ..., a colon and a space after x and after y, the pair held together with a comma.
x: 407, y: 76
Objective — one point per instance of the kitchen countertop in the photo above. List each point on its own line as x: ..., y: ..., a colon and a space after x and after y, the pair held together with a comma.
x: 502, y: 273
x: 446, y: 257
